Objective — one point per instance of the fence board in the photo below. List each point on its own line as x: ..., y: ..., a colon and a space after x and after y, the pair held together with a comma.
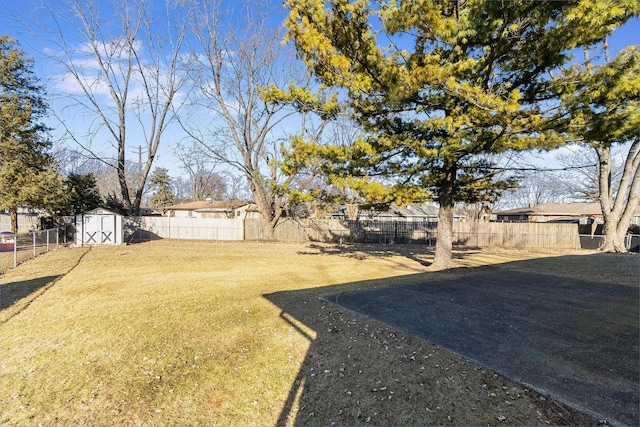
x: 466, y: 234
x: 299, y: 230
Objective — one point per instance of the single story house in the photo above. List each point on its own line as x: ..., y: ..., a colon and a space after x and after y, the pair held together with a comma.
x: 419, y: 212
x: 583, y: 213
x: 225, y: 209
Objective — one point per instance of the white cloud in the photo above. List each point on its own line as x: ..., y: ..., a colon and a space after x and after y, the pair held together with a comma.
x: 69, y: 84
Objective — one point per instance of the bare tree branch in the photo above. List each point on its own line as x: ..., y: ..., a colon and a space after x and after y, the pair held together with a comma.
x: 228, y: 115
x: 131, y: 68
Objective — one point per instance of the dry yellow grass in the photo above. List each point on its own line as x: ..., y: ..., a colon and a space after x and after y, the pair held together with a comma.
x: 202, y: 333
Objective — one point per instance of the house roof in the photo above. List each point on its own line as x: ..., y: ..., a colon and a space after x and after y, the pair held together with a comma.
x: 190, y: 206
x: 223, y: 205
x: 557, y: 209
x: 417, y: 210
x: 208, y: 206
x: 410, y: 211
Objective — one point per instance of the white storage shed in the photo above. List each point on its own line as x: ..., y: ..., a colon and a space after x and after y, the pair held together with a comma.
x: 99, y: 227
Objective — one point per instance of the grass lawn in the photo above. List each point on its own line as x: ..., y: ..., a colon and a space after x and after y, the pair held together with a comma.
x: 194, y: 333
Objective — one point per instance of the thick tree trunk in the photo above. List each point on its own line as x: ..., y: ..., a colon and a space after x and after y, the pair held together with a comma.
x: 268, y: 206
x: 444, y: 238
x: 352, y: 211
x: 618, y: 207
x: 124, y: 188
x: 613, y: 237
x: 268, y: 227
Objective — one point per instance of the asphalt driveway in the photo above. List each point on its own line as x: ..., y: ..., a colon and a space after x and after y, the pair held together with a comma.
x: 574, y: 340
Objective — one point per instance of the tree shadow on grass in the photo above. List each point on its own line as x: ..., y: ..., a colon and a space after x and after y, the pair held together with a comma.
x: 15, y: 291
x: 15, y: 297
x: 418, y: 253
x: 367, y: 364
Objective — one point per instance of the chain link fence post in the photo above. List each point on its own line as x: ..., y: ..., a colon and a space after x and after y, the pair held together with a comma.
x: 15, y: 250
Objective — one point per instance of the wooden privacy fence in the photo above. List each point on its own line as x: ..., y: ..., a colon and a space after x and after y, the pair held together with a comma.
x: 517, y: 235
x: 466, y: 234
x: 299, y: 230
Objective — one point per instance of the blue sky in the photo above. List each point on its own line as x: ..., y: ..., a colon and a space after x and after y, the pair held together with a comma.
x: 31, y: 24
x: 627, y: 35
x: 20, y: 19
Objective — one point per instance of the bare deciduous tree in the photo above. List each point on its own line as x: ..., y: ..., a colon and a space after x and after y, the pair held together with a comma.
x: 122, y: 75
x: 229, y: 115
x: 537, y: 187
x: 580, y: 177
x: 618, y: 208
x: 203, y: 180
x: 604, y: 108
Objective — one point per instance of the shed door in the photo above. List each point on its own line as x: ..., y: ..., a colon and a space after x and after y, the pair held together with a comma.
x: 99, y: 230
x: 107, y: 230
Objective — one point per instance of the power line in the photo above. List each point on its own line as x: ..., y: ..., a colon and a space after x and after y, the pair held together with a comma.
x: 139, y: 151
x: 541, y: 169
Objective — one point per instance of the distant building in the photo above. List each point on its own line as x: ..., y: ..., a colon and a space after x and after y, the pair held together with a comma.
x: 583, y: 213
x: 28, y: 219
x: 228, y: 209
x: 149, y: 211
x: 419, y: 212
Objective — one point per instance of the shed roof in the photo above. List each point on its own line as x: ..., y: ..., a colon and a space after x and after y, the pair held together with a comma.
x: 100, y: 211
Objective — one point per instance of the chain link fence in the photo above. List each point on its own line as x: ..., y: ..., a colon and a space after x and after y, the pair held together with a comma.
x: 18, y: 248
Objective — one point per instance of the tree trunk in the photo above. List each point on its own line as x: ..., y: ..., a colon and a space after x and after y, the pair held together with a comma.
x: 444, y: 239
x: 618, y: 208
x: 13, y: 213
x: 268, y: 227
x: 267, y: 206
x: 613, y: 237
x: 124, y: 188
x: 352, y: 211
x: 444, y: 231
